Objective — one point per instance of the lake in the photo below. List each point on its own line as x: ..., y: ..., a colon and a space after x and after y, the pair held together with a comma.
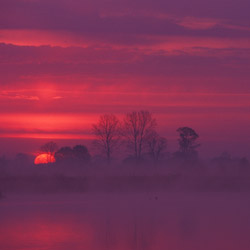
x: 139, y: 221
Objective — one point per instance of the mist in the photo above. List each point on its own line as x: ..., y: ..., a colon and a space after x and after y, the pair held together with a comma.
x: 60, y: 207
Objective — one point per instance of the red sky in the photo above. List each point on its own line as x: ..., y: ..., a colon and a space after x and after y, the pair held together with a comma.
x: 63, y: 63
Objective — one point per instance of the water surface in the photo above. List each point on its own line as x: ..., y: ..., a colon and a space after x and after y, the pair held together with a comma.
x: 157, y: 221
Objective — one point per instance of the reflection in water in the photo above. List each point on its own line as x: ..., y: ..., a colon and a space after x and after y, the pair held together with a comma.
x: 126, y: 222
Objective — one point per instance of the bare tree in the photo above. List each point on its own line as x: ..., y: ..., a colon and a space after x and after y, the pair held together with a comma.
x: 156, y: 145
x: 50, y: 149
x: 107, y: 133
x: 137, y: 127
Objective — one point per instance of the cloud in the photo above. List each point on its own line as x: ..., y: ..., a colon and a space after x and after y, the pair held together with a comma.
x: 100, y: 20
x: 63, y: 61
x: 17, y: 96
x: 215, y: 68
x: 57, y: 97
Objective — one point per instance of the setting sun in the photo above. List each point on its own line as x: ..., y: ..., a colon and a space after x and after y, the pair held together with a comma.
x: 44, y: 159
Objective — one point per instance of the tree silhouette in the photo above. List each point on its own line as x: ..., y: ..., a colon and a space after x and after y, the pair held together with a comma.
x: 81, y: 153
x: 50, y: 149
x: 187, y: 141
x: 136, y: 128
x: 107, y: 133
x: 64, y: 154
x: 156, y: 145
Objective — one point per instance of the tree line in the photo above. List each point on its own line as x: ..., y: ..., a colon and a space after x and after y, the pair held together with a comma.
x: 136, y: 131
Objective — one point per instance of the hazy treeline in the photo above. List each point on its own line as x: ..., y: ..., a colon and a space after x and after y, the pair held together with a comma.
x: 223, y: 173
x: 147, y: 164
x: 136, y: 136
